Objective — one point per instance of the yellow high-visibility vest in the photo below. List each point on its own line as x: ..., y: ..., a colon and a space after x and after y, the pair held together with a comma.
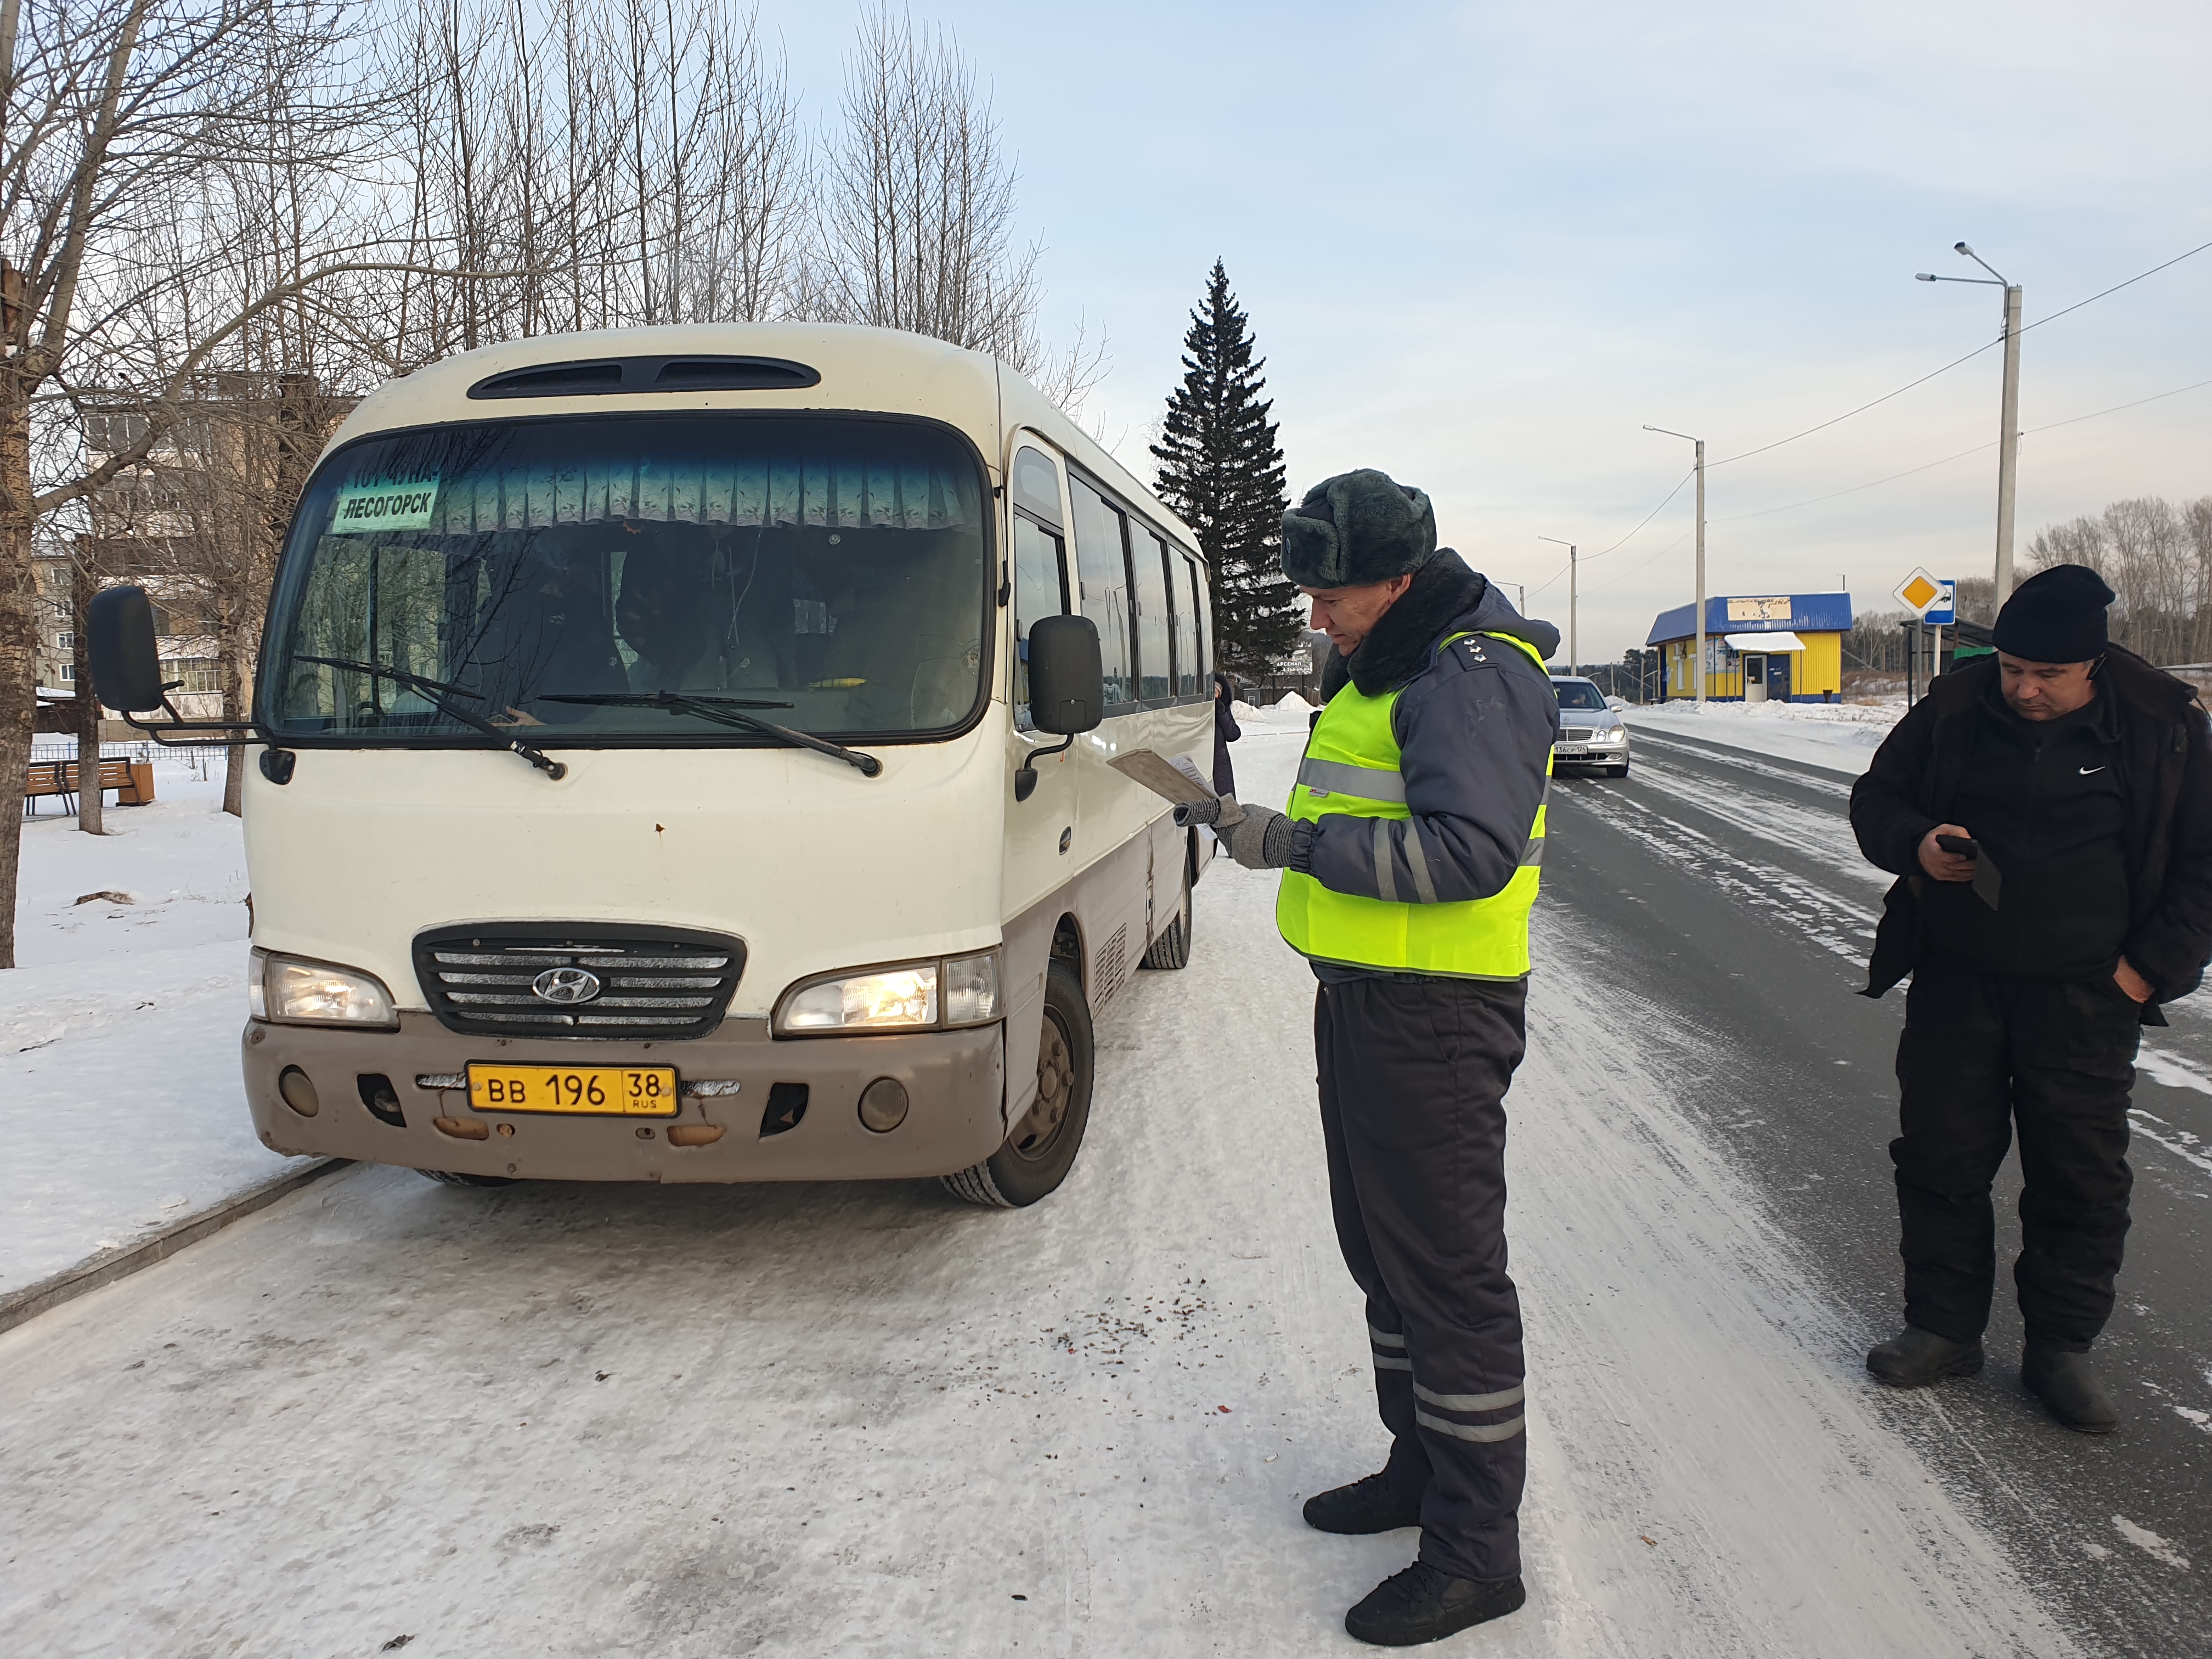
x: 1351, y: 769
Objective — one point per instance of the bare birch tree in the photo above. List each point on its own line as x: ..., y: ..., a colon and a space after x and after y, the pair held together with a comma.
x: 109, y: 113
x: 2157, y: 559
x: 917, y: 210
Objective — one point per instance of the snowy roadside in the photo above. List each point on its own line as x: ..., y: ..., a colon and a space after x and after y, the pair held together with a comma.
x: 118, y: 1034
x: 1841, y: 737
x: 861, y: 1421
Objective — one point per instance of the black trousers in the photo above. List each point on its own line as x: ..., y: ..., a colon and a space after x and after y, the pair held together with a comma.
x: 1980, y: 1054
x: 1413, y: 1075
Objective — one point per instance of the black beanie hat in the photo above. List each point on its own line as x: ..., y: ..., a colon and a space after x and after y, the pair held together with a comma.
x: 1356, y: 528
x: 2055, y: 616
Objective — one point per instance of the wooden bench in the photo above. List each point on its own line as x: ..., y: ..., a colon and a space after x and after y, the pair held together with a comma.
x: 132, y: 780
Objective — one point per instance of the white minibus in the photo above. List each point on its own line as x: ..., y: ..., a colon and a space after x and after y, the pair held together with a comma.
x: 647, y: 781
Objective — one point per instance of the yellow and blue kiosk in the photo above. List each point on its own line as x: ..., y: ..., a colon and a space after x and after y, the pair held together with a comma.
x: 1776, y: 647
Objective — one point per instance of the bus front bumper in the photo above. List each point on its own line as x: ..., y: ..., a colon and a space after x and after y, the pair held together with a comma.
x: 954, y: 1084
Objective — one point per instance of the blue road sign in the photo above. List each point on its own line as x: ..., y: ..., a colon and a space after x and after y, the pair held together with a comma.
x: 1945, y: 611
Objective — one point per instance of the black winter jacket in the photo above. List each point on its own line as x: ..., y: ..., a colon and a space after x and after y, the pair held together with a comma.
x: 2166, y: 764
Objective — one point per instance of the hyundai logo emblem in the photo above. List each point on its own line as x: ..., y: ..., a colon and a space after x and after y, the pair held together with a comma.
x: 565, y: 984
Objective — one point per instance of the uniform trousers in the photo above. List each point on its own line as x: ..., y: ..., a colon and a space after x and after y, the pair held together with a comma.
x: 1413, y: 1075
x: 1980, y: 1054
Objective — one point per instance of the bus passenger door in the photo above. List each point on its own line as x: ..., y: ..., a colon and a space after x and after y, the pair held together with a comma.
x: 1042, y: 831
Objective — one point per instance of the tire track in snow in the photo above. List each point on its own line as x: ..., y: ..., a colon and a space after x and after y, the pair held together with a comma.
x: 1785, y: 899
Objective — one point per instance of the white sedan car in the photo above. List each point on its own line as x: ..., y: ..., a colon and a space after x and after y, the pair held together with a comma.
x: 1591, y: 732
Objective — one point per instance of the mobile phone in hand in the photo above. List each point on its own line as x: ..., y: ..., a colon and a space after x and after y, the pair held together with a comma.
x: 1965, y: 847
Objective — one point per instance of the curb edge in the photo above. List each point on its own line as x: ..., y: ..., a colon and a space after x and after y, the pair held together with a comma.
x: 18, y: 1307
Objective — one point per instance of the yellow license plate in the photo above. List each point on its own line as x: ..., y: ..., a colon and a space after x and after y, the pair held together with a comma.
x: 603, y: 1091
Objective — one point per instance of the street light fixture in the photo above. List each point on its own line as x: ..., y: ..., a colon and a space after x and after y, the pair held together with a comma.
x: 1573, y: 654
x: 2009, y: 427
x: 1700, y: 443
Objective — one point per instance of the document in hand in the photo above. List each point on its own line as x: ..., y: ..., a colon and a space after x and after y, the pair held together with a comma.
x: 1177, y: 781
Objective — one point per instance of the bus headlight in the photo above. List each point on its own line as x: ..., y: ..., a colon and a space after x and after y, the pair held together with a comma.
x: 909, y: 997
x: 293, y: 992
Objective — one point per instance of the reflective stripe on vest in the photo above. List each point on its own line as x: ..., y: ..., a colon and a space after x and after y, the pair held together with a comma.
x: 1351, y: 769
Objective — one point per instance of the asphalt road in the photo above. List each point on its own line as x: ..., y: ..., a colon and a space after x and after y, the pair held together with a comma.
x: 1722, y: 894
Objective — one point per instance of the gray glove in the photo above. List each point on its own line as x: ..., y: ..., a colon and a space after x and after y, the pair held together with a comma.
x: 1221, y: 813
x: 1260, y: 839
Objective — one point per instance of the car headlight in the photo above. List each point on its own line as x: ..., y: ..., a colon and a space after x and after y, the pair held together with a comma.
x: 1616, y: 734
x: 293, y: 992
x: 912, y: 996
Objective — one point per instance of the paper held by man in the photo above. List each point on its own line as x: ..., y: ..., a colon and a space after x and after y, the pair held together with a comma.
x: 1178, y: 780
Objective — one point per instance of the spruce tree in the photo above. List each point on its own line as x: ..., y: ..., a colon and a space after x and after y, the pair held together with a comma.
x: 1222, y: 472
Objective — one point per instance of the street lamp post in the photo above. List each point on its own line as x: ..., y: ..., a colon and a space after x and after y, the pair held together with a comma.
x: 2008, y: 425
x: 1574, y: 654
x: 1700, y: 443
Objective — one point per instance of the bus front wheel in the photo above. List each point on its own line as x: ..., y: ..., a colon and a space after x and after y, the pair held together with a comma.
x: 1042, y: 1147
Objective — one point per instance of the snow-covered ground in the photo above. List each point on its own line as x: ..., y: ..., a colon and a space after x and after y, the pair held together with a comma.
x: 1840, y: 736
x: 864, y: 1420
x: 119, y: 1033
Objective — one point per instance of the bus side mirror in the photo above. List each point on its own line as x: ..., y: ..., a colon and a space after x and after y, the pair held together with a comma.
x: 1068, y: 681
x: 1068, y: 687
x: 118, y: 638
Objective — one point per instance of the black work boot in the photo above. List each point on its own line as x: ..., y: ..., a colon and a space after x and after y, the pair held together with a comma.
x: 1426, y: 1604
x: 1376, y: 1504
x: 2070, y: 1387
x: 1914, y: 1358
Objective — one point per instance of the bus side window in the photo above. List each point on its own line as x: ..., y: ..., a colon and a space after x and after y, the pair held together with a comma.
x: 1185, y: 622
x: 1203, y: 617
x: 1148, y: 561
x: 1040, y: 590
x: 1104, y: 574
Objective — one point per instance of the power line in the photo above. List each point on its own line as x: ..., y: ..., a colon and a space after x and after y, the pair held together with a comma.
x: 1766, y: 512
x: 1624, y: 540
x: 2116, y: 408
x: 1862, y: 408
x: 2071, y: 420
x: 1648, y: 517
x: 1954, y: 363
x: 2117, y: 287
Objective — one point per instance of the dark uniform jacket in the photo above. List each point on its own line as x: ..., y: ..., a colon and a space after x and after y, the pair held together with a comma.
x: 1474, y: 727
x: 2150, y: 725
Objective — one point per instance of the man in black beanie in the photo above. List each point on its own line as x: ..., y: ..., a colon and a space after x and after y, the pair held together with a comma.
x: 2049, y: 814
x: 1410, y: 857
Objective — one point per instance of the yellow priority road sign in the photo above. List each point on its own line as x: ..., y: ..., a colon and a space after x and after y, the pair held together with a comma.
x: 1919, y: 593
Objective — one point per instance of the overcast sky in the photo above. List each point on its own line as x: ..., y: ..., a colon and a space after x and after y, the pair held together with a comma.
x: 1482, y: 245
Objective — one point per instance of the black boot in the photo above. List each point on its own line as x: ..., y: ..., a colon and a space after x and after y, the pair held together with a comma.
x: 1426, y: 1604
x: 2070, y: 1387
x: 1914, y: 1358
x: 1375, y: 1504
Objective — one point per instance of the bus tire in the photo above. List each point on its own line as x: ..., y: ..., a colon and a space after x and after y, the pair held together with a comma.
x: 1172, y: 948
x: 1042, y: 1148
x: 454, y: 1178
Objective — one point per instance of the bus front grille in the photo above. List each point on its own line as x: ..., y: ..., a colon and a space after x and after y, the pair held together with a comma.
x: 578, y: 980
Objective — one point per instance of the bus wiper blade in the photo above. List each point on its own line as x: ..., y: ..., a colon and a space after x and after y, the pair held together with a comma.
x: 725, y: 711
x: 439, y: 691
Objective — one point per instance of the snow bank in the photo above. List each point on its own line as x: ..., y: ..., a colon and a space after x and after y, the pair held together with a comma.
x: 1840, y: 736
x: 1293, y: 710
x: 119, y: 1095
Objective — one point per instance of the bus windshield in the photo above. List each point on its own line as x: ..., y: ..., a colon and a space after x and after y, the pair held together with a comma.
x: 542, y: 574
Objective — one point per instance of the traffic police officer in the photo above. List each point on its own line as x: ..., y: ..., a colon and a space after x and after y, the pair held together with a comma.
x: 1410, y: 855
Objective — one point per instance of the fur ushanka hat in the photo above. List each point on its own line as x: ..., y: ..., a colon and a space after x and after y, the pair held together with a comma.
x: 1356, y: 528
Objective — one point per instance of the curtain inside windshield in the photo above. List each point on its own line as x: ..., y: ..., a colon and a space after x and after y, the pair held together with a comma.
x: 827, y: 574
